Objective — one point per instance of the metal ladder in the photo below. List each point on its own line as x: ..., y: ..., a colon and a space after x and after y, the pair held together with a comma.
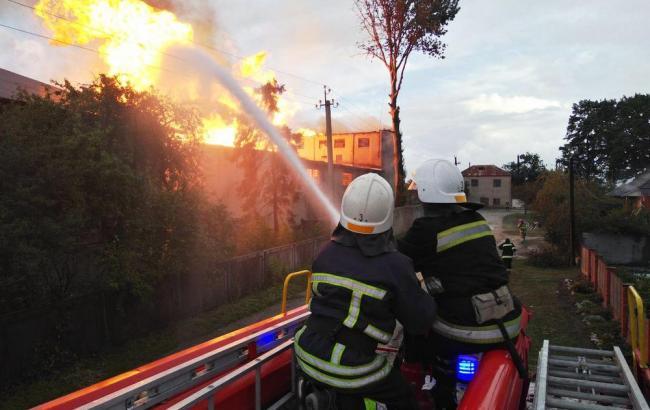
x: 574, y: 378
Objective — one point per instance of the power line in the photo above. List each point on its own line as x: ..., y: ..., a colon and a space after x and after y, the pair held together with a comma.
x: 224, y: 52
x: 310, y: 98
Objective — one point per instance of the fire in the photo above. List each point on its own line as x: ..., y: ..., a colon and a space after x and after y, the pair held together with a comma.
x: 132, y: 38
x: 132, y: 34
x: 218, y: 132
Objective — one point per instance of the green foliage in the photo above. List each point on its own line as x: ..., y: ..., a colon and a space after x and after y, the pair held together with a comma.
x: 101, y: 193
x: 610, y: 139
x: 552, y: 206
x: 528, y: 168
x: 549, y: 257
x: 270, y: 190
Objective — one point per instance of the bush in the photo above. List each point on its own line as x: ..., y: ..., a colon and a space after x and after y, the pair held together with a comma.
x: 549, y: 257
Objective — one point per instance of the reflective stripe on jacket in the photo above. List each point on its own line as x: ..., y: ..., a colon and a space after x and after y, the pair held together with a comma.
x: 356, y: 300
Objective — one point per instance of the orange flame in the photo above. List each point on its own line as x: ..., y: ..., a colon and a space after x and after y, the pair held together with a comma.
x: 132, y: 38
x: 132, y: 34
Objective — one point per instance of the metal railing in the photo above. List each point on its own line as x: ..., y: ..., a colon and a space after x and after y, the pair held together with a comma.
x: 208, y: 392
x: 285, y: 288
x: 150, y: 391
x: 638, y: 336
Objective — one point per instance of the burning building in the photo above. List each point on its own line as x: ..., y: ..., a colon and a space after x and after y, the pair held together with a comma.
x: 354, y: 154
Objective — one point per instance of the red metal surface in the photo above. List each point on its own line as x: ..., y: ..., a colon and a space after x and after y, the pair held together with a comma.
x: 101, y: 389
x: 497, y: 385
x: 276, y: 380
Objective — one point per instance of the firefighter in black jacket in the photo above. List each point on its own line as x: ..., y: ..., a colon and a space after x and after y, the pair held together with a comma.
x: 453, y: 246
x: 361, y: 286
x: 507, y: 252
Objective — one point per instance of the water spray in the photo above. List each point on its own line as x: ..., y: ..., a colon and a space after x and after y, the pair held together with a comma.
x: 259, y: 118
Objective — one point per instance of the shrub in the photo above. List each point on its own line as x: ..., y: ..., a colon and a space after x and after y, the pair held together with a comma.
x: 549, y: 257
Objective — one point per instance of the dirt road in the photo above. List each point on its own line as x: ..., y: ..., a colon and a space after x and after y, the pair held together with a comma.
x: 495, y: 217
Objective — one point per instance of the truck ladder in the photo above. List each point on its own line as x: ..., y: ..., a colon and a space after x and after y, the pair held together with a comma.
x: 575, y: 378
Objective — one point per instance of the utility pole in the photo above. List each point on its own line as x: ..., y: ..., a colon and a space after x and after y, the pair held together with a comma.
x: 572, y: 212
x: 328, y: 103
x: 456, y: 161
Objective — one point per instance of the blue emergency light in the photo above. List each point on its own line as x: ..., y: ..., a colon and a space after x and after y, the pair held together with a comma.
x: 466, y: 367
x: 266, y: 339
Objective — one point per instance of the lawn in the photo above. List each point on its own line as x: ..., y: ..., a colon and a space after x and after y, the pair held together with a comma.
x: 554, y: 316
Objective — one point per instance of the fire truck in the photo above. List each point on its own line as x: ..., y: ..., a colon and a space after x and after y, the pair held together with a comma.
x: 254, y: 368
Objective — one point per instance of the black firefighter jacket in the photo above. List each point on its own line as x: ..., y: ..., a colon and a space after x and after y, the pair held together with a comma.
x: 356, y: 300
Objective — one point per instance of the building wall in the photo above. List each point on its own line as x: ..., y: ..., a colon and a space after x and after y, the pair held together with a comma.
x: 354, y: 149
x: 223, y: 177
x: 486, y: 192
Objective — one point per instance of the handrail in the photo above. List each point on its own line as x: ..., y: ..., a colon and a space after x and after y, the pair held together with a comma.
x: 285, y: 288
x: 638, y: 337
x: 208, y: 392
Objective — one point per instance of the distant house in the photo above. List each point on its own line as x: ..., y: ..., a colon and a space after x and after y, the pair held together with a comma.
x: 489, y: 185
x: 11, y: 84
x: 637, y: 191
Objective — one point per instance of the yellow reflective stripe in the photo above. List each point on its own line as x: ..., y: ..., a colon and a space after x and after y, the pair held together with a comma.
x: 335, y: 368
x: 369, y: 404
x: 353, y: 285
x: 377, y: 334
x: 460, y: 228
x: 337, y: 353
x: 353, y: 310
x: 463, y: 239
x: 344, y: 383
x: 476, y: 334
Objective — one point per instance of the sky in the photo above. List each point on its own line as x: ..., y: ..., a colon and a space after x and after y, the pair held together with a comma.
x: 512, y: 69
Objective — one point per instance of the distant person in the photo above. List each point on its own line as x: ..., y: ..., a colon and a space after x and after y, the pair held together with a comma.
x: 453, y: 243
x: 361, y: 286
x: 507, y: 252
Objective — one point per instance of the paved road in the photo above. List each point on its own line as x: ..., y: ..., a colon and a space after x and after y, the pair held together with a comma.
x: 495, y: 217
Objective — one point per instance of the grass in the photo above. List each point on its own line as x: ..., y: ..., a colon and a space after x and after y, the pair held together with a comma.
x: 90, y: 370
x: 553, y: 313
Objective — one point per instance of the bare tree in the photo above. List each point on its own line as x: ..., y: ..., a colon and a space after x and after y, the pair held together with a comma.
x: 395, y: 29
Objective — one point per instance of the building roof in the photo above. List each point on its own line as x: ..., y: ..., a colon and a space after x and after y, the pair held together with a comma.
x: 485, y: 171
x: 11, y: 83
x: 639, y: 186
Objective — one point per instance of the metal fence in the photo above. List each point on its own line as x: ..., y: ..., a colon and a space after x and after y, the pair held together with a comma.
x: 634, y: 323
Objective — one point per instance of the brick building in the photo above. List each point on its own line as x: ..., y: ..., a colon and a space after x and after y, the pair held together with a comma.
x: 489, y: 185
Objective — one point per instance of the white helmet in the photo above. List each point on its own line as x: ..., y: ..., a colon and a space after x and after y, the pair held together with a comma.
x: 367, y: 205
x: 438, y: 181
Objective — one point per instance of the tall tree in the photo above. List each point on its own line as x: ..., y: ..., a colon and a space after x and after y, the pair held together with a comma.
x: 395, y: 29
x: 609, y: 139
x: 270, y: 188
x: 527, y: 168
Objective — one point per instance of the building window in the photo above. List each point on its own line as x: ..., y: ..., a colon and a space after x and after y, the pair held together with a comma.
x: 496, y: 201
x: 484, y: 201
x: 314, y: 174
x: 363, y: 142
x: 339, y: 158
x: 339, y: 143
x: 466, y: 185
x: 474, y: 182
x: 346, y: 179
x: 322, y: 144
x: 496, y: 183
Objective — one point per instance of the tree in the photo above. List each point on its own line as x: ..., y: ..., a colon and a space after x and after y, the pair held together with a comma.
x: 269, y: 183
x: 395, y: 29
x: 609, y: 139
x: 100, y: 193
x: 527, y: 168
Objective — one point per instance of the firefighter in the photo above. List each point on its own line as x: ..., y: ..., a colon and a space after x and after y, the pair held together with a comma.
x: 454, y: 245
x: 361, y: 286
x: 507, y: 252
